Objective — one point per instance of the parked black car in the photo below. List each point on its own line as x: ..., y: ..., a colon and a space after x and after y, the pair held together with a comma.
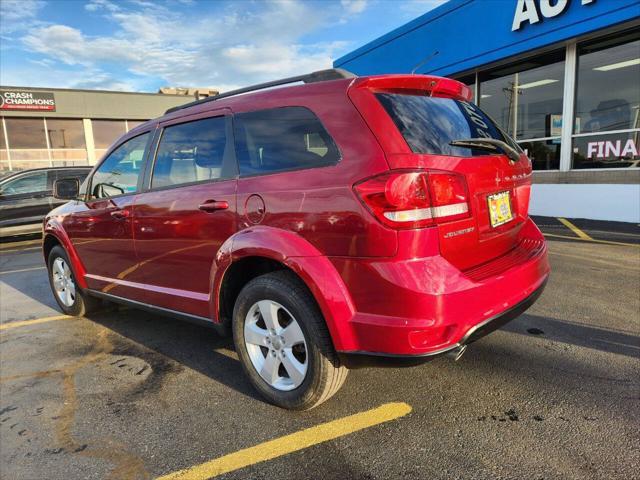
x: 27, y: 196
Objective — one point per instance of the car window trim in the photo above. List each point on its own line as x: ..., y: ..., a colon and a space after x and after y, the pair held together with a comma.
x: 286, y: 170
x: 145, y: 155
x: 227, y: 114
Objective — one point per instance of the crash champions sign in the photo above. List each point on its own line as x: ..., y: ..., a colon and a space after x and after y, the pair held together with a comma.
x: 27, y: 100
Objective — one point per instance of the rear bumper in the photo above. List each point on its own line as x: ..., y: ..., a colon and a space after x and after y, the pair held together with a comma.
x: 361, y: 359
x: 421, y: 308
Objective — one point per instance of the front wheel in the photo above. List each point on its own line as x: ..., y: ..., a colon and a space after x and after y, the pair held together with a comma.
x: 283, y: 342
x: 70, y: 298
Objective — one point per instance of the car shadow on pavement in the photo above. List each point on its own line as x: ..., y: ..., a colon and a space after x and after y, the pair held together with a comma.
x: 605, y: 340
x: 192, y: 346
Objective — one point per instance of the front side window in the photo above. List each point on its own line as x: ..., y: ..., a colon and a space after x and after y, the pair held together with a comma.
x: 191, y: 152
x: 430, y: 124
x: 281, y: 139
x: 119, y: 172
x: 28, y: 183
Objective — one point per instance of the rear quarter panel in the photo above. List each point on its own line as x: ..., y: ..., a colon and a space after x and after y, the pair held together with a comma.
x: 319, y: 203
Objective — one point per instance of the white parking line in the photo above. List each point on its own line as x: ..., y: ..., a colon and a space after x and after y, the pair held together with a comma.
x: 22, y: 270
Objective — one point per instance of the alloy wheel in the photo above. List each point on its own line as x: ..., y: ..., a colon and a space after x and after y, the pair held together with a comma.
x: 63, y: 283
x: 276, y: 345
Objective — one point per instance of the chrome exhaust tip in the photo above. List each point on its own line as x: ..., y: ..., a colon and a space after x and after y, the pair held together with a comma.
x: 456, y: 353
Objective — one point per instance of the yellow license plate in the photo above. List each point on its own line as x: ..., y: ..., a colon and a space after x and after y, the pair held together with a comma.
x: 499, y: 208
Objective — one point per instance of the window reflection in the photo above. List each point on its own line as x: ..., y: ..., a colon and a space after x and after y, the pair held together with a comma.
x: 540, y: 93
x: 608, y: 99
x: 598, y: 107
x: 106, y: 132
x: 3, y: 142
x: 134, y: 123
x: 119, y: 173
x: 607, y: 151
x: 544, y: 155
x: 26, y: 132
x: 523, y: 98
x: 65, y: 133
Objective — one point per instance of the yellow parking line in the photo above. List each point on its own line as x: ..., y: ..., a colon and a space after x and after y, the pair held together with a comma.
x: 574, y: 229
x: 292, y: 443
x: 22, y: 270
x: 13, y: 245
x: 227, y: 353
x: 593, y: 240
x: 36, y: 321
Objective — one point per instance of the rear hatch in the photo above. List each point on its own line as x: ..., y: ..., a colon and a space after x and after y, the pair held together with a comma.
x: 448, y: 137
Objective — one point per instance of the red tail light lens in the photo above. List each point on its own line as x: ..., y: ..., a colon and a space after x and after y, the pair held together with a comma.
x: 415, y: 199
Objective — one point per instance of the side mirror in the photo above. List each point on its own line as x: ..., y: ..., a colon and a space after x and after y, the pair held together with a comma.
x: 66, y: 188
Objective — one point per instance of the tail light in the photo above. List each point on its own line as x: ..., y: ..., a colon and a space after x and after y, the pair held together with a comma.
x: 415, y: 199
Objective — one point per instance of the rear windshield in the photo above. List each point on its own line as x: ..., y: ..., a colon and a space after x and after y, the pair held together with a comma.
x: 429, y: 124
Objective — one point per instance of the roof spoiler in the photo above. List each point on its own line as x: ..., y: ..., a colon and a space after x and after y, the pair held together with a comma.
x: 319, y: 76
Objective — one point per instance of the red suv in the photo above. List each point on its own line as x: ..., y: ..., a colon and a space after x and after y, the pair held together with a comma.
x: 342, y: 222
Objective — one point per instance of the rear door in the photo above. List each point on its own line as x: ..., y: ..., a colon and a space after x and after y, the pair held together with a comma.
x: 101, y: 228
x: 498, y: 187
x: 186, y: 213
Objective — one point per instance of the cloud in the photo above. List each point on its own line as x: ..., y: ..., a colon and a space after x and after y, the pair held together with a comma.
x: 95, y: 5
x: 66, y: 77
x: 354, y: 6
x: 19, y: 15
x: 233, y: 47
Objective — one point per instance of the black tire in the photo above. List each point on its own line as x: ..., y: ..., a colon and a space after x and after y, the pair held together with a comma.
x: 324, y: 375
x: 83, y: 303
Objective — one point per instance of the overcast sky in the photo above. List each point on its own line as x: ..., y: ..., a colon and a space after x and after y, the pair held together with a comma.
x: 141, y: 45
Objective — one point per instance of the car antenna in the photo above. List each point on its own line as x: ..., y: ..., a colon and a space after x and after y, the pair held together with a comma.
x: 426, y: 59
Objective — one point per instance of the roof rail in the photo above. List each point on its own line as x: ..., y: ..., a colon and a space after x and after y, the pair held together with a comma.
x: 319, y: 76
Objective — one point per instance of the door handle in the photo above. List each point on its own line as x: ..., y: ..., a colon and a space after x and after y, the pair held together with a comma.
x: 211, y: 206
x: 120, y: 214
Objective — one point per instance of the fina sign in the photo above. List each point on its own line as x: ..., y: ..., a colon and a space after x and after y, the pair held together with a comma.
x: 23, y: 100
x: 533, y: 11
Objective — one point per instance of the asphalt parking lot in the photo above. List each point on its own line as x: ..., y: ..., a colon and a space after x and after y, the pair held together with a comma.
x: 126, y: 394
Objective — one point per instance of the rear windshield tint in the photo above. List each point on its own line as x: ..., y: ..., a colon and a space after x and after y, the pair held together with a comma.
x: 429, y: 124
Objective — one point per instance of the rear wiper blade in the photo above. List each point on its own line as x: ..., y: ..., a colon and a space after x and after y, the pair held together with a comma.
x: 491, y: 144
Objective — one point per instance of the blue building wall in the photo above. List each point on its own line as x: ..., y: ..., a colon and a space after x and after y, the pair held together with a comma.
x: 471, y: 33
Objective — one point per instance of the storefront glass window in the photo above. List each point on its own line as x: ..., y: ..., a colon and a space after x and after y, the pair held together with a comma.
x: 134, y: 123
x: 26, y: 133
x: 544, y: 154
x: 540, y: 93
x: 496, y: 100
x: 525, y: 99
x: 65, y: 133
x: 105, y: 132
x: 3, y: 142
x: 607, y: 101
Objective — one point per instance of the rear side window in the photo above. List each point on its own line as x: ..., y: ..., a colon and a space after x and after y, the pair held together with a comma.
x: 191, y: 152
x: 429, y: 124
x: 278, y: 139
